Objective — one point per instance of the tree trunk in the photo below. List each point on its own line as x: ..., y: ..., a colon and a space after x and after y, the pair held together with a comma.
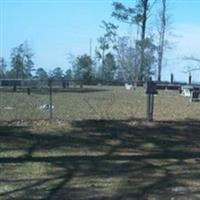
x: 143, y: 34
x: 161, y: 39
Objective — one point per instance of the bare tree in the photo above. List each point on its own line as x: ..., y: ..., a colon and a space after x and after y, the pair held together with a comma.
x: 161, y: 34
x: 127, y: 59
x: 189, y: 69
x: 192, y: 59
x: 137, y: 15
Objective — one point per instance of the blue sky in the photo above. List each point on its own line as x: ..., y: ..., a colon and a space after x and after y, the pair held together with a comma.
x: 55, y: 29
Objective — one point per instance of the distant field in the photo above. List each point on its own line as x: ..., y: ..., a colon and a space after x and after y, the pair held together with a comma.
x: 95, y: 103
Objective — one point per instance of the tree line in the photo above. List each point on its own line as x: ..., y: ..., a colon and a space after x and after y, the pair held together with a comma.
x: 121, y: 58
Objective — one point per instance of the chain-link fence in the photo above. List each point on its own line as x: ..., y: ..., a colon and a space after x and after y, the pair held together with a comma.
x: 43, y: 100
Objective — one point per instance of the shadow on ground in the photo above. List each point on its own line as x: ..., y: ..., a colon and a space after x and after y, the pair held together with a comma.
x: 102, y: 159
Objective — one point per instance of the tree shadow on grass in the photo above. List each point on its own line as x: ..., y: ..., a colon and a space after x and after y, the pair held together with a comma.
x: 102, y: 159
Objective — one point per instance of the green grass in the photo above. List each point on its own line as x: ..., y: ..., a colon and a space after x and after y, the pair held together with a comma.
x: 101, y: 150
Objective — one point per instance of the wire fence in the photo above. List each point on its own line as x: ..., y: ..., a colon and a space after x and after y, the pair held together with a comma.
x: 58, y: 101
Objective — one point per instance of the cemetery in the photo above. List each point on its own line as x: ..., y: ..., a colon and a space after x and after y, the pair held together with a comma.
x: 67, y: 139
x: 99, y: 100
x: 92, y: 133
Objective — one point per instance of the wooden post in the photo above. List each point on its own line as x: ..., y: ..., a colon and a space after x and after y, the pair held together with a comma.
x: 67, y: 84
x: 150, y: 107
x: 50, y: 100
x: 148, y: 100
x: 172, y: 79
x: 14, y: 88
x: 81, y: 84
x: 28, y: 91
x: 190, y: 79
x: 64, y: 84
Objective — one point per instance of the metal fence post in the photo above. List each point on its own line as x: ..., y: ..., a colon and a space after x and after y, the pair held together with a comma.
x: 152, y: 107
x: 150, y: 91
x: 148, y: 106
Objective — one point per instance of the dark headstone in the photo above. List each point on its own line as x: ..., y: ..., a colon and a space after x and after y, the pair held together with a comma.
x: 195, y: 95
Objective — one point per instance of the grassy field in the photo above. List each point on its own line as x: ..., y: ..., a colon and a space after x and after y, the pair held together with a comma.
x: 96, y: 103
x: 102, y: 149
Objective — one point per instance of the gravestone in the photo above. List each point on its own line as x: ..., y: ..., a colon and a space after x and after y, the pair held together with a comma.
x: 195, y: 96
